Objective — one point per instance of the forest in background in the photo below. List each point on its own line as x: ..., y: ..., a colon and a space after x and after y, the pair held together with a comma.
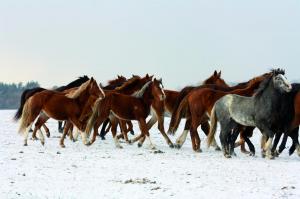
x: 10, y: 94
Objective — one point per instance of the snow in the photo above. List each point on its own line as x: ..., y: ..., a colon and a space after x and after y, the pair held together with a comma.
x: 103, y: 171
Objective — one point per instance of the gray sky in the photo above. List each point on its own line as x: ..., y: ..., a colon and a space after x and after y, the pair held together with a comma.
x: 183, y: 41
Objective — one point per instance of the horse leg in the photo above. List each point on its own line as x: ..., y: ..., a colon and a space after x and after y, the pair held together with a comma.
x: 26, y: 134
x: 150, y: 123
x: 181, y: 139
x: 130, y: 127
x: 145, y: 132
x: 103, y: 132
x: 294, y: 135
x: 114, y: 124
x: 251, y: 146
x: 62, y: 139
x: 124, y: 130
x: 46, y: 130
x: 205, y: 128
x: 276, y: 140
x: 60, y: 127
x: 268, y: 146
x: 79, y: 125
x: 161, y: 128
x: 283, y: 143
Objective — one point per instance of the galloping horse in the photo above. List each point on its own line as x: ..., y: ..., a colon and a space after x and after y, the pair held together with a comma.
x: 198, y: 104
x: 30, y: 92
x: 262, y: 110
x: 57, y: 106
x: 160, y: 109
x: 130, y: 87
x: 124, y: 107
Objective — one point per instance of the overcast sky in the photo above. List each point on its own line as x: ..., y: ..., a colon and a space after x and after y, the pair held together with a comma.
x: 53, y: 42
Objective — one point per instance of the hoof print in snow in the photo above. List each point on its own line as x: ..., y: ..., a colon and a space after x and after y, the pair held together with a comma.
x: 155, y: 188
x: 21, y: 152
x: 158, y: 151
x: 14, y: 159
x: 58, y: 152
x: 139, y: 181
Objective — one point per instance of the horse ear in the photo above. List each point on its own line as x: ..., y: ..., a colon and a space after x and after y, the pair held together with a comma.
x: 219, y: 74
x: 215, y: 73
x: 160, y: 80
x: 92, y: 79
x: 147, y: 75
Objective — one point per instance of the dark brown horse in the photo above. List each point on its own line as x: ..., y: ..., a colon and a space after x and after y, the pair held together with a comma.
x: 197, y: 105
x: 124, y: 107
x: 57, y: 106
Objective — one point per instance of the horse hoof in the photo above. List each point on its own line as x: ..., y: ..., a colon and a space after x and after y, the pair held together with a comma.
x: 48, y: 135
x: 43, y: 143
x: 171, y: 145
x: 218, y: 148
x: 62, y: 146
x: 132, y: 132
x: 103, y: 138
x: 139, y: 145
x: 119, y: 147
x: 177, y: 146
x: 227, y: 156
x: 198, y: 150
x: 25, y: 144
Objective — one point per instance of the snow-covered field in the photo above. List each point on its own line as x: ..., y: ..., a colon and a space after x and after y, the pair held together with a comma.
x: 102, y: 171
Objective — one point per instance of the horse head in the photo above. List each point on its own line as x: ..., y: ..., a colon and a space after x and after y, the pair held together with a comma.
x: 280, y: 81
x: 216, y: 79
x: 95, y: 89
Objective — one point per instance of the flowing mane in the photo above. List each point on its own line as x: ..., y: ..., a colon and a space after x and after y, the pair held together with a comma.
x: 130, y: 83
x: 140, y: 93
x: 79, y: 90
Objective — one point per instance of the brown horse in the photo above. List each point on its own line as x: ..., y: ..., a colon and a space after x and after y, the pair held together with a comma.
x: 125, y: 107
x: 130, y: 87
x: 160, y: 109
x: 197, y: 106
x: 57, y: 106
x: 205, y: 126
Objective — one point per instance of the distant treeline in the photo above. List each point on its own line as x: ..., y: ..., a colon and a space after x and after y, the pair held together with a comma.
x: 10, y: 94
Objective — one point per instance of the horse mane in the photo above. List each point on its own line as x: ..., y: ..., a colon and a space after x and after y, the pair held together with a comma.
x: 75, y: 83
x: 118, y: 80
x: 130, y: 83
x: 140, y: 93
x: 265, y: 83
x: 79, y: 90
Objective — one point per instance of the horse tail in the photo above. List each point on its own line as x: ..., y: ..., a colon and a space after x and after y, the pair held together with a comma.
x: 213, y: 127
x: 25, y: 95
x: 93, y: 117
x: 177, y: 115
x: 25, y: 117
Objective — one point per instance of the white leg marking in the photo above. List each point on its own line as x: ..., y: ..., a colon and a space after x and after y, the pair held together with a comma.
x: 298, y: 149
x: 150, y: 143
x: 181, y: 139
x: 76, y: 134
x: 41, y: 136
x: 26, y: 134
x: 84, y: 138
x: 268, y: 147
x: 117, y: 143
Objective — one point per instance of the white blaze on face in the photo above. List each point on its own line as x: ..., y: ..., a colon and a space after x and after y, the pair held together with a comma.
x: 285, y: 82
x: 163, y: 97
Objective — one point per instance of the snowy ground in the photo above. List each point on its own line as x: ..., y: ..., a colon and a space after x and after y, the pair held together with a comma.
x: 102, y: 171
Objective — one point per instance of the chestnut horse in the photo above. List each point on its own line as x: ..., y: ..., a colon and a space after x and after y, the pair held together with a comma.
x: 130, y: 87
x: 198, y: 104
x: 57, y: 106
x: 124, y: 107
x: 160, y: 109
x: 30, y: 92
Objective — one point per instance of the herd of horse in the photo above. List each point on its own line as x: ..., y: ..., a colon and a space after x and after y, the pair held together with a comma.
x: 267, y: 102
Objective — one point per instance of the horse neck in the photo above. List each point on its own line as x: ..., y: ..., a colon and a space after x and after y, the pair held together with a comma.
x: 248, y: 91
x: 148, y: 96
x: 83, y: 97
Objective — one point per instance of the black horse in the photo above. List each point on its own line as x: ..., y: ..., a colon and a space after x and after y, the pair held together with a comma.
x: 264, y: 110
x: 30, y: 92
